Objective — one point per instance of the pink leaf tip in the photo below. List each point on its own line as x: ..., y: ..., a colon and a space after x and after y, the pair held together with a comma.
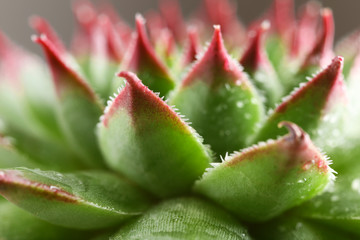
x: 321, y: 53
x: 43, y: 27
x: 64, y: 72
x: 216, y: 67
x: 254, y: 55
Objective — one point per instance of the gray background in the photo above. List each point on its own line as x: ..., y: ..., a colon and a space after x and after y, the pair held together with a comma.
x: 14, y: 14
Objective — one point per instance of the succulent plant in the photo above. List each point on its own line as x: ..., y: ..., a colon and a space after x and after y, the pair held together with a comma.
x: 215, y: 143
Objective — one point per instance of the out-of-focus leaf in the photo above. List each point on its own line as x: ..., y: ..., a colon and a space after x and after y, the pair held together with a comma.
x: 78, y: 107
x: 17, y: 224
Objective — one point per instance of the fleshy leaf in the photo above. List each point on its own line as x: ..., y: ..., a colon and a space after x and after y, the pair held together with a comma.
x: 321, y: 53
x: 21, y: 225
x: 285, y: 228
x: 99, y: 45
x: 106, y: 53
x: 27, y: 98
x: 282, y: 17
x: 10, y: 158
x: 219, y: 100
x: 304, y: 35
x: 171, y: 13
x: 78, y: 107
x: 339, y: 206
x: 82, y: 200
x: 141, y: 58
x: 184, y: 218
x: 258, y: 66
x: 46, y: 153
x: 264, y: 180
x: 144, y: 139
x: 313, y: 105
x: 192, y: 47
x: 223, y: 13
x: 43, y: 27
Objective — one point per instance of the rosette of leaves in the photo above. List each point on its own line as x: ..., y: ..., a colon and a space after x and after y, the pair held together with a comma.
x: 213, y: 142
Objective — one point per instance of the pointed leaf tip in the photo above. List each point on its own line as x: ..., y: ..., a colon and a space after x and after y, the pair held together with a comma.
x: 283, y: 17
x: 266, y: 179
x: 142, y: 59
x: 216, y: 67
x: 134, y: 96
x: 85, y: 14
x: 328, y: 78
x: 43, y: 27
x: 295, y: 132
x: 64, y: 74
x: 305, y: 32
x: 254, y: 55
x: 215, y: 79
x: 137, y: 115
x: 192, y: 46
x: 324, y: 95
x: 171, y: 13
x: 321, y: 53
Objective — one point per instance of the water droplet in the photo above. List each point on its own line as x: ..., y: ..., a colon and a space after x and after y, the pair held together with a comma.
x: 298, y: 225
x: 355, y: 185
x: 240, y: 104
x: 334, y: 198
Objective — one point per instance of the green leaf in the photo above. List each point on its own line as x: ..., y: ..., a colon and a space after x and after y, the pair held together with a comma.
x: 27, y: 98
x: 10, y: 158
x: 78, y: 107
x: 257, y: 65
x: 82, y: 200
x: 339, y: 206
x: 316, y: 107
x: 263, y: 181
x: 185, y: 218
x: 106, y: 54
x: 144, y: 139
x: 48, y: 153
x: 17, y: 224
x: 142, y: 59
x: 285, y: 228
x: 219, y: 100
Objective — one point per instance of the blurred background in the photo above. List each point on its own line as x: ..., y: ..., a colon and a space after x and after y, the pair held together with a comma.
x: 14, y: 14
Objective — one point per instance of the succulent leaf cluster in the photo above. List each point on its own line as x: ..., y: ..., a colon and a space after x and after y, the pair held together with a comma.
x: 182, y: 129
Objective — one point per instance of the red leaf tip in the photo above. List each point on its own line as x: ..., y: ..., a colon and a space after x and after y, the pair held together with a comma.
x: 84, y: 12
x: 216, y: 66
x: 192, y: 46
x: 254, y: 56
x: 295, y: 132
x: 329, y: 80
x: 322, y: 49
x: 130, y: 77
x: 41, y: 26
x: 139, y: 22
x: 62, y: 66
